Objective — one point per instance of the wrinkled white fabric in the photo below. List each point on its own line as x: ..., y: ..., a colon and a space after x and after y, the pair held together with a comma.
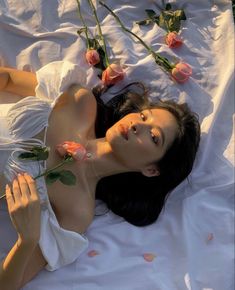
x: 193, y: 240
x: 23, y: 121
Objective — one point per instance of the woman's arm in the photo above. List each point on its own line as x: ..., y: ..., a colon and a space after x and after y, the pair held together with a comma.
x: 15, y: 271
x: 24, y: 209
x: 18, y: 82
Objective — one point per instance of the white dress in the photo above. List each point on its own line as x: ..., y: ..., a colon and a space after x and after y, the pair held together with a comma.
x: 26, y: 119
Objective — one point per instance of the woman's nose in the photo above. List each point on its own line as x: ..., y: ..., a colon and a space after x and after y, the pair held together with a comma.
x: 137, y: 127
x: 134, y: 128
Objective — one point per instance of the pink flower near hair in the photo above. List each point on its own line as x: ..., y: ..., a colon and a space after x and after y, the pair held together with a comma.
x: 181, y: 72
x: 173, y: 40
x: 76, y: 150
x: 92, y: 57
x: 112, y: 74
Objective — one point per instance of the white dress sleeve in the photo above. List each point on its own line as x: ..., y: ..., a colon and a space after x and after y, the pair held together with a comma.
x: 56, y: 77
x: 59, y: 246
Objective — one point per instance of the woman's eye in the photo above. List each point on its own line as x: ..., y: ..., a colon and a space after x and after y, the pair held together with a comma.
x: 154, y: 138
x: 142, y: 116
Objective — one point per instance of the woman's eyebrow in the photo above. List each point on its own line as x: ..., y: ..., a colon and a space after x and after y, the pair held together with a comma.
x: 160, y: 130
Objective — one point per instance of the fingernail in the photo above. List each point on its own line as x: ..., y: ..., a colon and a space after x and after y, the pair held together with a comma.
x: 19, y: 175
x: 7, y: 186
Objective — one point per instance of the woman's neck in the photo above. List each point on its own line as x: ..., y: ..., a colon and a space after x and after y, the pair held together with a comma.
x: 102, y: 162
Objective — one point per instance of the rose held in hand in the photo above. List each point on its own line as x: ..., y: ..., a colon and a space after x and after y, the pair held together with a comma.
x: 112, y: 74
x: 173, y: 40
x: 181, y: 72
x: 76, y: 150
x: 92, y: 57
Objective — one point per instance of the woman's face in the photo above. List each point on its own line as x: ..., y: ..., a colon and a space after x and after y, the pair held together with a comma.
x: 140, y: 139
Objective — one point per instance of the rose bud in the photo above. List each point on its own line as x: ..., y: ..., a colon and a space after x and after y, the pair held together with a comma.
x: 181, y: 72
x: 173, y: 40
x: 76, y: 150
x: 112, y: 74
x: 92, y: 57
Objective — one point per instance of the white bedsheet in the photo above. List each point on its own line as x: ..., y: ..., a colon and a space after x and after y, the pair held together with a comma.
x: 193, y: 240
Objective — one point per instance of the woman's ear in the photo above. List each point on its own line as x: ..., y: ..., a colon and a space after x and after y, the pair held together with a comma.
x: 150, y: 170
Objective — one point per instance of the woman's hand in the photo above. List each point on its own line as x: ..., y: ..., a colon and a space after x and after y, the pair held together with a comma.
x: 24, y: 208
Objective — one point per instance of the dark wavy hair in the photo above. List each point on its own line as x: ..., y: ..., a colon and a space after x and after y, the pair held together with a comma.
x: 133, y: 196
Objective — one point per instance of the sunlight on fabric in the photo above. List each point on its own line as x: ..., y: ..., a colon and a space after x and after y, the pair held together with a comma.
x: 188, y: 284
x: 187, y: 281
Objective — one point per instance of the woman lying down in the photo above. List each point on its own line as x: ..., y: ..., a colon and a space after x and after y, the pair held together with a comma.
x: 136, y: 153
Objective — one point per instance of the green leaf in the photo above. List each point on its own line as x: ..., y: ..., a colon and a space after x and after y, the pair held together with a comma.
x: 180, y: 14
x: 151, y: 14
x: 27, y: 155
x: 52, y: 177
x: 67, y: 177
x: 163, y: 21
x: 42, y: 153
x: 102, y: 64
x: 171, y: 20
x: 168, y: 6
x: 153, y: 18
x: 157, y: 20
x: 144, y: 22
x: 36, y: 153
x: 175, y: 22
x: 168, y: 19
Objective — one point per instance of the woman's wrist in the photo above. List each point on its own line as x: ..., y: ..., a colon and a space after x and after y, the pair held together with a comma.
x: 29, y: 242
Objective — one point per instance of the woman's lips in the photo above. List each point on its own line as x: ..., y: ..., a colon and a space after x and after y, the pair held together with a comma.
x: 123, y: 130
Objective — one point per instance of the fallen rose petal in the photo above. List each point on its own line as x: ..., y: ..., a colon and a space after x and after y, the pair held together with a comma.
x: 149, y: 257
x: 210, y: 237
x: 92, y: 253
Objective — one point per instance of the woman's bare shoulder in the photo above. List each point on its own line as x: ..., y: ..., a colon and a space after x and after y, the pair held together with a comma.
x: 85, y: 105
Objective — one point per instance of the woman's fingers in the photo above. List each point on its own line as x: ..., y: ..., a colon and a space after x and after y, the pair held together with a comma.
x: 9, y: 198
x: 16, y: 192
x: 24, y: 187
x: 24, y: 207
x: 32, y: 186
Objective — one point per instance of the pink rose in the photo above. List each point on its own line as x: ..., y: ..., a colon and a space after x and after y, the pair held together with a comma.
x: 76, y: 150
x: 92, y: 56
x: 112, y: 74
x: 173, y: 40
x: 181, y: 72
